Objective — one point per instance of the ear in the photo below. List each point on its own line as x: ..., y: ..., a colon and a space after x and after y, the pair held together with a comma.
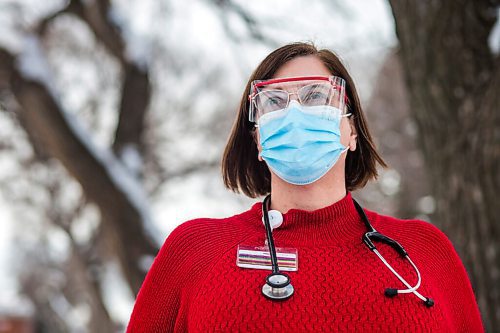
x: 256, y: 139
x: 354, y: 135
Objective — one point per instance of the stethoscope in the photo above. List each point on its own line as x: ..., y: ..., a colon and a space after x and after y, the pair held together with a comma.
x: 278, y: 285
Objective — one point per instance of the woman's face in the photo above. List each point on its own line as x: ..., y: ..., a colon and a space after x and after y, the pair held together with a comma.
x: 310, y: 66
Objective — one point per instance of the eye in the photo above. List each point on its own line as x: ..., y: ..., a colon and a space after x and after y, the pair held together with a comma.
x: 272, y: 100
x: 315, y: 94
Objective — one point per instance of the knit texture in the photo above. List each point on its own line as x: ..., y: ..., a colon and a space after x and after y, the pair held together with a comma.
x: 194, y: 284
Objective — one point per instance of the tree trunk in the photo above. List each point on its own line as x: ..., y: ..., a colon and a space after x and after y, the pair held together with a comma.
x: 453, y: 78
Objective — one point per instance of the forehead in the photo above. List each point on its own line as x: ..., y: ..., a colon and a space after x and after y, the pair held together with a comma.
x: 309, y: 65
x: 290, y: 81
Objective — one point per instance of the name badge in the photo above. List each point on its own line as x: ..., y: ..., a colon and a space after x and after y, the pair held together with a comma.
x: 258, y: 257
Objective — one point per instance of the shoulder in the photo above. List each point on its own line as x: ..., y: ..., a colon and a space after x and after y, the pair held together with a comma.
x: 414, y: 233
x: 211, y: 228
x: 427, y: 245
x: 204, y: 239
x: 414, y: 226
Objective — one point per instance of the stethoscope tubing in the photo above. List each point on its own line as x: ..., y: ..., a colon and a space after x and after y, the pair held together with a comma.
x: 269, y: 234
x: 282, y: 289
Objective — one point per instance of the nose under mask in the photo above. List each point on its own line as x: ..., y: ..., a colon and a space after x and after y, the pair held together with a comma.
x: 301, y: 144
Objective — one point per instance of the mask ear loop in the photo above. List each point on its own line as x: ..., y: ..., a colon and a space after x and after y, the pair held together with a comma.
x: 347, y: 115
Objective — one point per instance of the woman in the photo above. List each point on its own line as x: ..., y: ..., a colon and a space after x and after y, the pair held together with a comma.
x: 301, y: 137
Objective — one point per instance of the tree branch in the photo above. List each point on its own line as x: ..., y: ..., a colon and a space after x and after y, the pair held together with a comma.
x: 250, y: 22
x: 136, y: 94
x: 96, y: 15
x: 136, y: 89
x: 122, y: 219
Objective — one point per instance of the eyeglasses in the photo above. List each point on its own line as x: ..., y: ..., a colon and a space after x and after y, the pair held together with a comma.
x: 273, y: 95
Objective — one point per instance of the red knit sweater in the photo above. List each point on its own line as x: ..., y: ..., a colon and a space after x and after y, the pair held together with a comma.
x: 194, y: 284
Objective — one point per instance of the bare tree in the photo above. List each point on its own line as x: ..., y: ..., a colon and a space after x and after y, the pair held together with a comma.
x: 452, y: 78
x: 43, y: 117
x: 105, y: 176
x: 111, y: 178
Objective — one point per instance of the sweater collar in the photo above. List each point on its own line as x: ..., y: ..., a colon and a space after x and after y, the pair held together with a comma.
x: 333, y: 224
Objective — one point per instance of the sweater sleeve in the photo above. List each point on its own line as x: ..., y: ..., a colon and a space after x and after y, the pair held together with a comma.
x: 456, y: 288
x: 157, y: 304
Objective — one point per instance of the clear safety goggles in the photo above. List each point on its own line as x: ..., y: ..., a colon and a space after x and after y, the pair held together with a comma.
x: 272, y: 95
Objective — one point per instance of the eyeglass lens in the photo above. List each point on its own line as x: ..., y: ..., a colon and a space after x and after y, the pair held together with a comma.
x: 309, y: 95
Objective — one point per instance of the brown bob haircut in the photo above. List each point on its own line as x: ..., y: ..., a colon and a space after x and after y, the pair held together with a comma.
x: 241, y: 169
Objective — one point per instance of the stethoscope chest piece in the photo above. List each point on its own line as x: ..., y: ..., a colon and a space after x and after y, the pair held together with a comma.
x: 277, y: 287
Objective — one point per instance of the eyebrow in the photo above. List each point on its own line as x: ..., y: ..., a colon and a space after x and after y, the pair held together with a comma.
x: 272, y: 86
x: 291, y: 79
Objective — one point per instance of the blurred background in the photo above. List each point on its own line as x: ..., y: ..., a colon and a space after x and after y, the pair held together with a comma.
x: 114, y: 115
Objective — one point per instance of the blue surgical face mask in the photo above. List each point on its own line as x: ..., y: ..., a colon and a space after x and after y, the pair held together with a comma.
x: 301, y: 144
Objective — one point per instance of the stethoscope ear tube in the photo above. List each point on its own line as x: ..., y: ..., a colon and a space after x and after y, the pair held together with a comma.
x: 376, y: 236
